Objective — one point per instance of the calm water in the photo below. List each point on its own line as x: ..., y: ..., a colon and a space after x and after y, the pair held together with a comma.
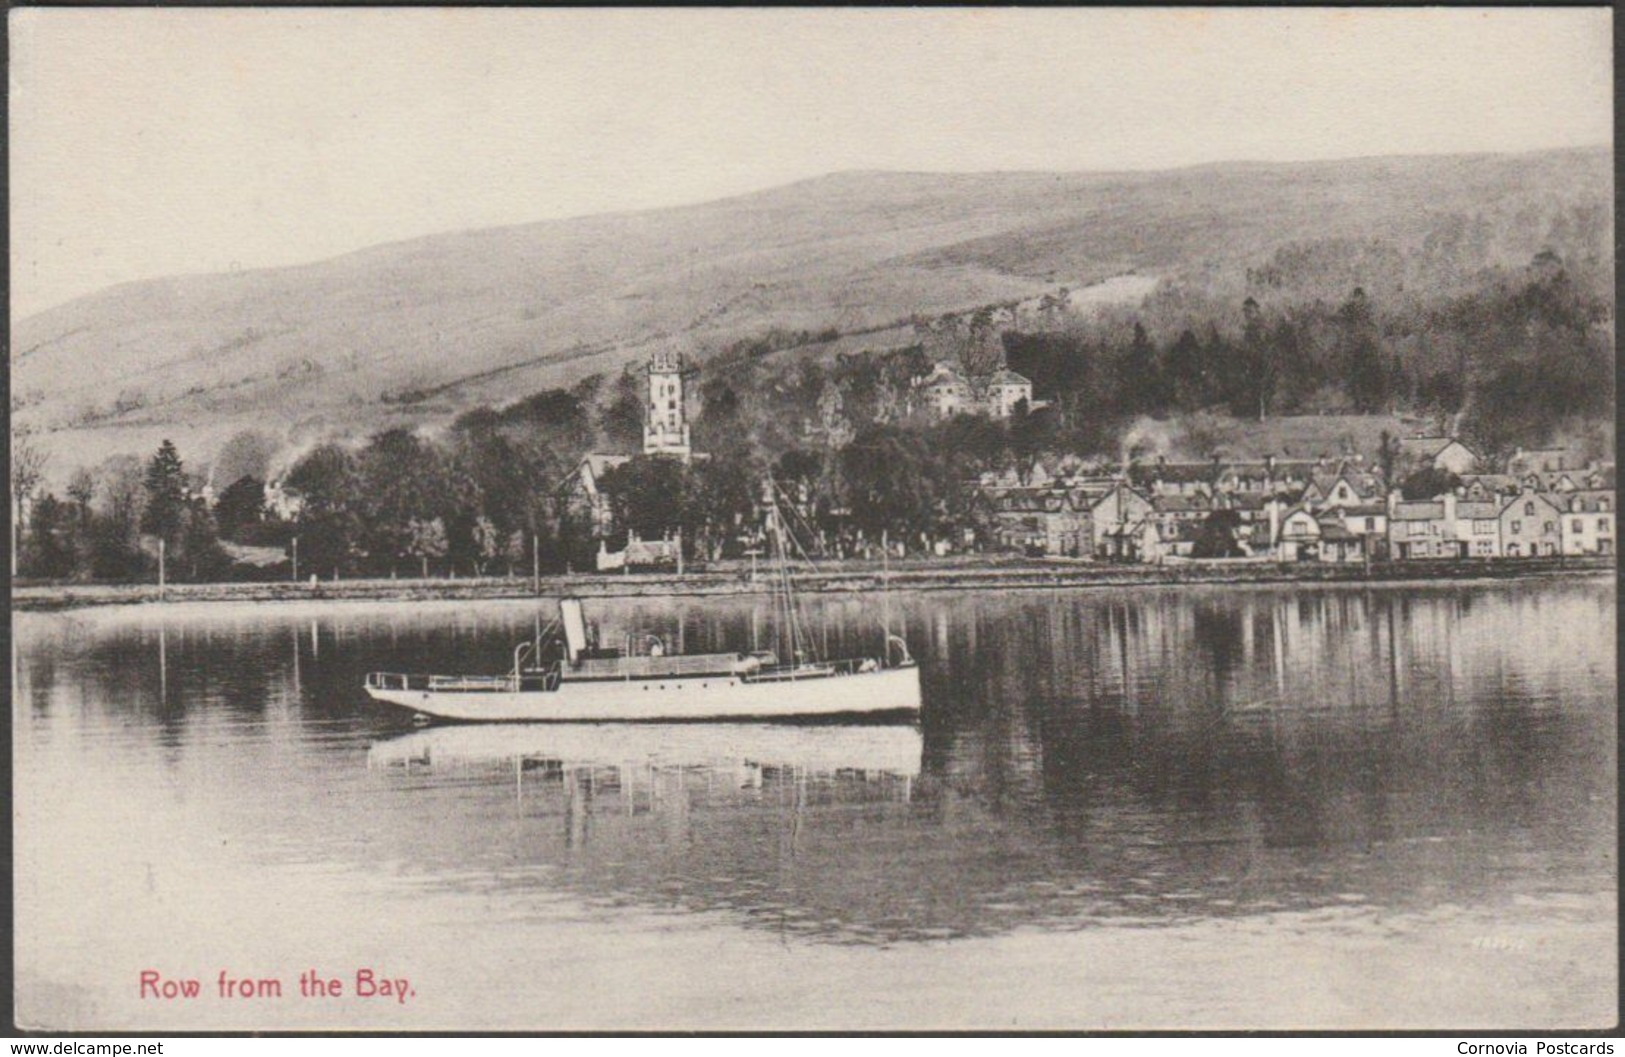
x: 1184, y: 807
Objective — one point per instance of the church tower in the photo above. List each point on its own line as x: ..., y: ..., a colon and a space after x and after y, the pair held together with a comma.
x: 665, y: 420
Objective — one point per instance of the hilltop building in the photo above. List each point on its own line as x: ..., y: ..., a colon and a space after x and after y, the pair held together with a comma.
x: 949, y: 391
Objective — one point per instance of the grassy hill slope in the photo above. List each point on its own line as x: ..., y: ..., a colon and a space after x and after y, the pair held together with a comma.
x: 414, y: 331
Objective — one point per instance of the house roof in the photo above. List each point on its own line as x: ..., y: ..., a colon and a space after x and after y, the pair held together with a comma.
x: 1493, y: 482
x: 1418, y: 510
x: 1005, y: 376
x: 1180, y: 504
x: 1553, y: 480
x: 1515, y: 503
x: 1333, y: 531
x: 1242, y: 501
x: 1426, y: 447
x: 1282, y: 470
x: 1591, y: 501
x: 1479, y: 509
x: 1180, y: 472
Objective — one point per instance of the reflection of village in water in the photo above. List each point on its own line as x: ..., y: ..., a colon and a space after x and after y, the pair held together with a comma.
x: 1083, y: 758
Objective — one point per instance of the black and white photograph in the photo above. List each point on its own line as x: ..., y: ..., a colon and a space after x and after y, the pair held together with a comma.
x: 553, y: 520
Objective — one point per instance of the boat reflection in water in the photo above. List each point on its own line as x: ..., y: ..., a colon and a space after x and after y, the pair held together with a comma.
x: 635, y: 758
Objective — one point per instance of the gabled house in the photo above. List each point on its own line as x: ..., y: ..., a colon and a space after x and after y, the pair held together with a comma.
x: 1005, y: 391
x: 949, y: 391
x: 1441, y: 453
x: 1550, y: 481
x: 1269, y: 476
x: 1541, y: 460
x: 1045, y: 520
x: 1596, y: 477
x: 581, y: 494
x: 1485, y: 486
x: 1529, y: 525
x: 1177, y: 478
x: 1298, y: 536
x: 1117, y: 521
x: 1346, y: 487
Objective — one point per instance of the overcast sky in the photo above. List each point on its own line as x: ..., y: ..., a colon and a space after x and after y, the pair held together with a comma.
x: 154, y: 142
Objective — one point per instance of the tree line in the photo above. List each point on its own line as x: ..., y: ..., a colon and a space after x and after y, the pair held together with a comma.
x: 846, y: 435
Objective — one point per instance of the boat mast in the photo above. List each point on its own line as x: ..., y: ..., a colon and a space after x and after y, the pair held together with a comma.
x: 785, y: 586
x: 885, y: 594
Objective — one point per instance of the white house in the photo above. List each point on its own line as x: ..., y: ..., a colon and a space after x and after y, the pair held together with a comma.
x: 1587, y: 522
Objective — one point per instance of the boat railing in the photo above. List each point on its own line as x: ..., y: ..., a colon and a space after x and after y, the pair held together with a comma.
x: 546, y: 679
x: 817, y: 670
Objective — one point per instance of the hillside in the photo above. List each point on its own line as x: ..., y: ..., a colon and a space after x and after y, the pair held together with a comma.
x: 418, y: 330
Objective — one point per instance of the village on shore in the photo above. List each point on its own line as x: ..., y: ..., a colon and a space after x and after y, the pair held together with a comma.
x: 1545, y: 502
x: 1418, y: 499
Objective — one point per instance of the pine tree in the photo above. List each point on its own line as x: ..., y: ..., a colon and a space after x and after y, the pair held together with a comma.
x: 1141, y: 381
x: 165, y: 484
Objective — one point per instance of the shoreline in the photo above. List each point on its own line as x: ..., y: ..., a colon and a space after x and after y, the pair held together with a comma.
x: 984, y: 574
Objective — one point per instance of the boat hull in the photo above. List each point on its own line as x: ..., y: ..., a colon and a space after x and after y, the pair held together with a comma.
x: 674, y: 700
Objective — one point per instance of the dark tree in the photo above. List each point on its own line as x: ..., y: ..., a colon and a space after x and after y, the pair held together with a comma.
x: 1388, y: 453
x: 327, y: 525
x: 1428, y: 483
x: 1219, y: 536
x: 27, y: 469
x: 401, y: 481
x: 891, y: 483
x: 1366, y: 376
x: 165, y: 515
x: 1184, y: 368
x: 48, y: 547
x: 621, y: 423
x: 1141, y: 382
x: 240, y: 508
x: 648, y: 494
x: 1258, y: 364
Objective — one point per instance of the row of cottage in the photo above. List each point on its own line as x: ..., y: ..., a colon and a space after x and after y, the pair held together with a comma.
x: 1297, y: 511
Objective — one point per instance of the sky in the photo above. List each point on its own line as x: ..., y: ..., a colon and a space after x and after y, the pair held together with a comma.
x: 156, y: 142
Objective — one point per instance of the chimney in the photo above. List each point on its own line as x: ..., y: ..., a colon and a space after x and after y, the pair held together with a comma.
x: 1269, y: 464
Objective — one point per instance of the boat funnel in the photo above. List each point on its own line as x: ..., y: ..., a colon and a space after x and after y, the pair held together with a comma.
x: 575, y: 628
